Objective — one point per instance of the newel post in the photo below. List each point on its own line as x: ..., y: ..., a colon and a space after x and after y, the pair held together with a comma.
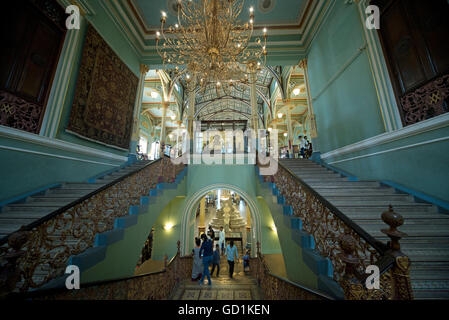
x: 350, y: 282
x: 401, y: 270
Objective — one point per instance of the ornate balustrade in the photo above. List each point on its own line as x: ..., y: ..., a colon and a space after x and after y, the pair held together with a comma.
x: 349, y: 248
x: 151, y: 286
x: 39, y: 252
x: 277, y: 288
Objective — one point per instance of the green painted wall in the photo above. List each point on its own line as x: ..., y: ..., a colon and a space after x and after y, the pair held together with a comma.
x: 164, y: 241
x: 240, y: 176
x: 347, y: 110
x: 270, y: 240
x: 22, y: 172
x: 423, y: 168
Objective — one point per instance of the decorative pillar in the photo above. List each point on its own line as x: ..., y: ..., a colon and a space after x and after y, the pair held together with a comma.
x: 202, y: 224
x: 191, y: 113
x: 164, y: 116
x: 290, y: 131
x: 137, y: 111
x: 253, y: 97
x: 313, y: 133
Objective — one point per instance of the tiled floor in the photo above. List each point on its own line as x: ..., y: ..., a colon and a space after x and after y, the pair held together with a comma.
x: 240, y: 287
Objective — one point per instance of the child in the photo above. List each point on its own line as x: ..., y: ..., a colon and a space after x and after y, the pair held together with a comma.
x: 216, y: 260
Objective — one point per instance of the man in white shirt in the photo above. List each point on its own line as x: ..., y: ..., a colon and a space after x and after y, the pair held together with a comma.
x: 221, y: 240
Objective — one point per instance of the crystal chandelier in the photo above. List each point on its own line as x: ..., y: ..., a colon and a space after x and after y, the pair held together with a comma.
x: 209, y: 43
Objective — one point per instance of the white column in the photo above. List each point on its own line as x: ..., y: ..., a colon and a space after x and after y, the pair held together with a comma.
x: 137, y: 109
x: 311, y: 115
x: 290, y: 131
x: 253, y: 92
x: 164, y: 116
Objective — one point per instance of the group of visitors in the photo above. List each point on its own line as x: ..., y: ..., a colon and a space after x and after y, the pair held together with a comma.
x: 204, y: 256
x: 305, y: 146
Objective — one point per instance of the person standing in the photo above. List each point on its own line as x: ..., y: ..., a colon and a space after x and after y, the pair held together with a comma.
x: 231, y: 253
x: 197, y: 262
x: 222, y: 240
x: 302, y: 146
x: 216, y: 261
x: 207, y: 252
x: 211, y: 234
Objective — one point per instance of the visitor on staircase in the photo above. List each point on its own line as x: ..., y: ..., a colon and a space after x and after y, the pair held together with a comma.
x: 222, y: 240
x: 231, y: 252
x: 207, y: 253
x: 197, y: 268
x: 216, y: 261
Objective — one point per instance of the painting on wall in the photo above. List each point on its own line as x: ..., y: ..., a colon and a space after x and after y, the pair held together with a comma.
x: 105, y: 94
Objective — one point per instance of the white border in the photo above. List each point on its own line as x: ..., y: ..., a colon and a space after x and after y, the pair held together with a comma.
x: 11, y: 133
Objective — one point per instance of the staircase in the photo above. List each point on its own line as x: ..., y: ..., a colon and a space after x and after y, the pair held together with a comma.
x: 427, y: 243
x: 33, y: 208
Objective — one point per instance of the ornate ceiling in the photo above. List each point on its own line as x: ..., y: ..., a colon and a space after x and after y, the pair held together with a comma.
x: 291, y: 23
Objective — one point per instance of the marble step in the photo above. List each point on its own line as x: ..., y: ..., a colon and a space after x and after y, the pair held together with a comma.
x: 82, y: 186
x: 364, y: 197
x: 355, y: 191
x: 343, y: 184
x: 53, y: 198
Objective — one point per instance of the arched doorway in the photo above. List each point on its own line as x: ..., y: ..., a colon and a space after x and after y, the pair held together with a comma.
x: 188, y: 217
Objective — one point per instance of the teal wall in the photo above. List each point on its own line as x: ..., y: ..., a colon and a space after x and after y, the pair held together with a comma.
x: 270, y: 240
x: 423, y: 168
x: 164, y: 241
x: 347, y: 110
x: 23, y: 172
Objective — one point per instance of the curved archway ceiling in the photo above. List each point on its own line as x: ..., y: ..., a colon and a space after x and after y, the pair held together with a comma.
x: 292, y: 25
x: 231, y: 103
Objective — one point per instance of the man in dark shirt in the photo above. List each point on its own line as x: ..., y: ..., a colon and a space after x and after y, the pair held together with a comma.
x: 207, y: 251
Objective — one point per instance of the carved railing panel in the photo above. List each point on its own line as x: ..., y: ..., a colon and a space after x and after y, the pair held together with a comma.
x: 426, y: 102
x: 274, y: 288
x: 48, y: 246
x: 19, y: 114
x: 153, y: 286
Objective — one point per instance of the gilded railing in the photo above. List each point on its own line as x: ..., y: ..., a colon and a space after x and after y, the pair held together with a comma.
x: 151, y: 286
x: 276, y: 288
x: 39, y: 252
x: 349, y: 248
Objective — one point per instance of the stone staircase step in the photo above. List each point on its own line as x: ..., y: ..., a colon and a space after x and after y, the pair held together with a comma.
x: 52, y: 198
x: 22, y: 215
x: 355, y: 191
x: 361, y: 198
x: 82, y: 186
x: 340, y: 184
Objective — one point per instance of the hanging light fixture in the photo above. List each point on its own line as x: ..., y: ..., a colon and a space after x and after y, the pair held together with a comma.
x: 209, y: 41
